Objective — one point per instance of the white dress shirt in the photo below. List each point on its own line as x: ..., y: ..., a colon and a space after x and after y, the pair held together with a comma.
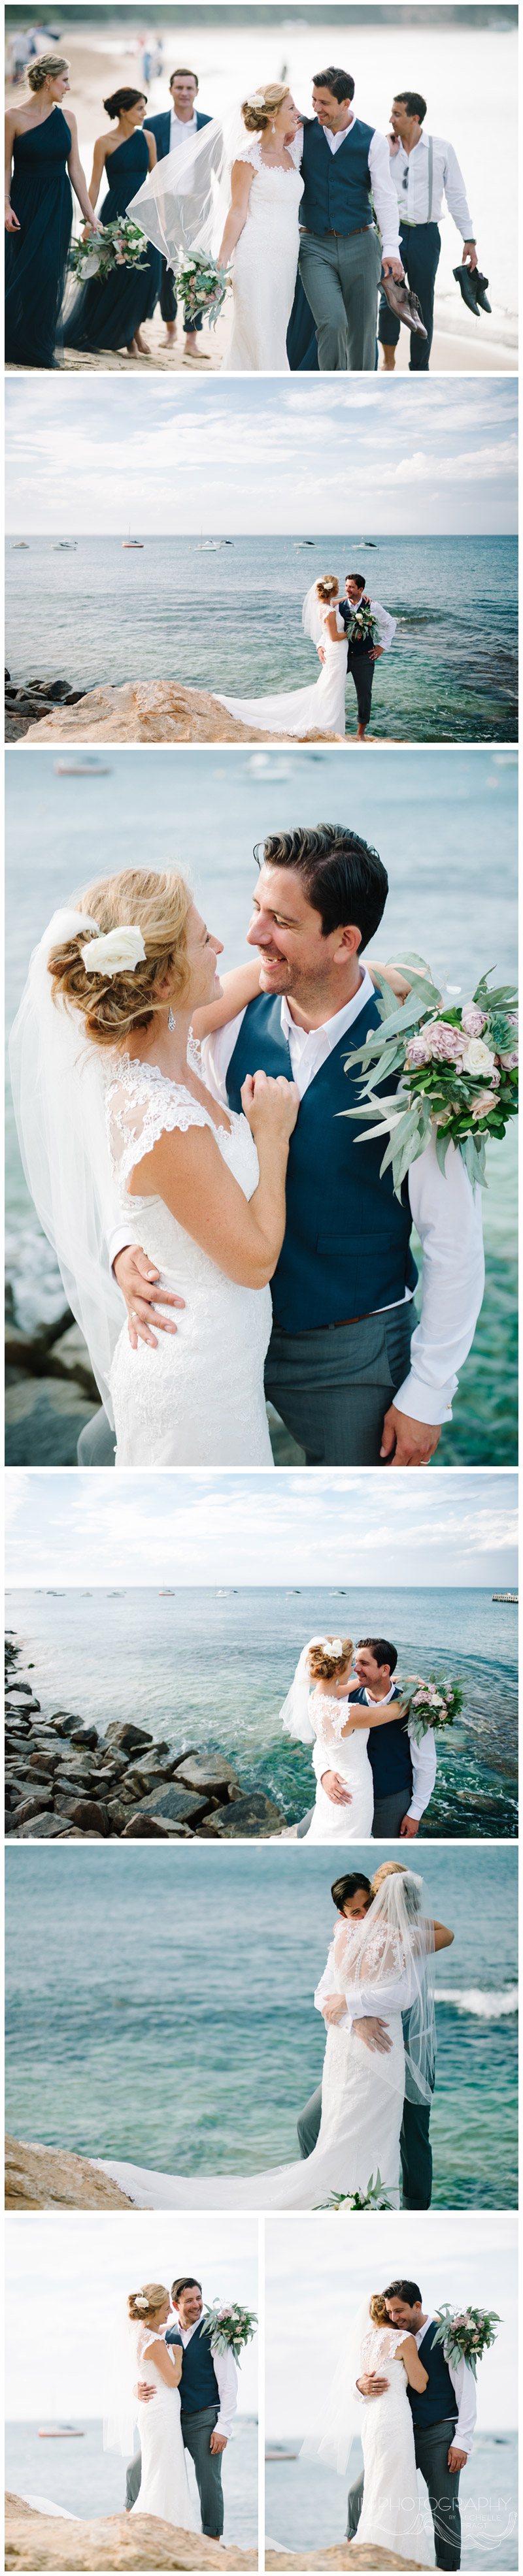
x: 384, y: 199
x: 465, y: 2392
x: 402, y: 1993
x: 181, y: 127
x: 423, y: 1758
x: 413, y: 197
x: 227, y: 2377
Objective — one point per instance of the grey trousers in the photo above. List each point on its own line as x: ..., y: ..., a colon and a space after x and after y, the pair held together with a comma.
x: 332, y: 1388
x: 196, y: 2431
x: 341, y: 273
x: 431, y: 2444
x: 415, y: 2147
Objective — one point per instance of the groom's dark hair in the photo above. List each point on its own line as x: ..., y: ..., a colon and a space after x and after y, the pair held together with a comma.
x: 382, y: 1652
x: 343, y: 1888
x: 407, y: 2290
x: 343, y: 876
x: 188, y: 2283
x: 356, y: 576
x: 340, y: 83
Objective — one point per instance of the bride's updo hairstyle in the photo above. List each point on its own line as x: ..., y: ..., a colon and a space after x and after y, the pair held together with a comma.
x: 378, y: 2310
x: 47, y: 67
x: 258, y: 117
x: 144, y: 2305
x: 328, y: 588
x: 324, y: 1665
x: 400, y: 1869
x: 112, y: 1005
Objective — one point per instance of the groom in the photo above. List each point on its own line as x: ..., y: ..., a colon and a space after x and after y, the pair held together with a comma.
x: 352, y: 1896
x: 208, y: 2394
x: 403, y: 1772
x: 341, y: 261
x: 443, y: 2418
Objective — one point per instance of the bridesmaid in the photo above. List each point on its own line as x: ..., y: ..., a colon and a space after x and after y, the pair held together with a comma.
x: 42, y: 146
x: 109, y: 314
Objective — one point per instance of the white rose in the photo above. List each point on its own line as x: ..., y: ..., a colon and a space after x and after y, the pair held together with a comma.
x: 478, y: 1058
x: 116, y: 952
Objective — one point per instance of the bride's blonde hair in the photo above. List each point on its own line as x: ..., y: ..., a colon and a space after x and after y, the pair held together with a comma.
x: 328, y: 587
x: 272, y: 94
x: 143, y: 2305
x: 323, y: 1665
x: 112, y: 1005
x: 378, y: 2311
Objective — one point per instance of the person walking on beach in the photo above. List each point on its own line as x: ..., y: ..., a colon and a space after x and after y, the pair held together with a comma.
x: 424, y: 170
x: 171, y: 128
x: 41, y: 147
x: 341, y: 259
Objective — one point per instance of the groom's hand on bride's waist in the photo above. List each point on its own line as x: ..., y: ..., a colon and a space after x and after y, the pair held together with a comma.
x: 138, y: 1281
x: 144, y: 2391
x: 336, y: 1789
x: 408, y: 1443
x: 373, y: 2031
x: 370, y: 2386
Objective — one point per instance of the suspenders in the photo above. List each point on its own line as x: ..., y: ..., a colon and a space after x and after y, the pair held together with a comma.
x: 431, y: 159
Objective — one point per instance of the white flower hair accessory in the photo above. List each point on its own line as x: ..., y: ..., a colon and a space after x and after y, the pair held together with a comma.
x: 140, y: 2300
x: 333, y: 1646
x: 257, y: 100
x: 115, y: 952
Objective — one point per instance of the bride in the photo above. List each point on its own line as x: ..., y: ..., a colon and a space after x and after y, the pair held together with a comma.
x: 262, y: 232
x: 321, y: 707
x: 383, y: 1964
x: 117, y: 1120
x: 318, y: 1711
x: 391, y: 2517
x: 164, y: 2488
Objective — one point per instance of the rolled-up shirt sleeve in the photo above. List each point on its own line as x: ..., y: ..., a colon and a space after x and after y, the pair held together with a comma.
x: 465, y: 2392
x: 386, y: 625
x: 455, y: 194
x: 424, y: 1767
x: 227, y: 2377
x: 447, y: 1214
x: 384, y: 196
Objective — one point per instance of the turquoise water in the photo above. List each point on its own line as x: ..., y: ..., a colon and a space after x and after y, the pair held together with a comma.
x: 303, y: 2500
x: 87, y: 2480
x: 231, y: 622
x: 445, y: 825
x: 203, y: 1962
x: 198, y: 1669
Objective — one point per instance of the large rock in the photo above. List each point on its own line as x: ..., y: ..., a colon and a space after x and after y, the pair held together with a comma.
x: 39, y: 1805
x: 153, y: 711
x: 254, y: 1816
x: 48, y: 2178
x: 35, y: 2540
x: 125, y: 1736
x: 210, y: 1773
x: 183, y: 1806
x: 85, y: 1812
x: 43, y: 1829
x: 347, y: 2553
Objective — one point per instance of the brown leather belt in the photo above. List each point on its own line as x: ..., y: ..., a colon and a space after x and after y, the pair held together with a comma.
x: 333, y: 234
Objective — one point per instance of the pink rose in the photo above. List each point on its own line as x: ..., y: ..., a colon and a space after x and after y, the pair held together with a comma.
x: 486, y: 1100
x: 473, y: 1020
x: 446, y: 1044
x: 509, y: 1062
x: 419, y: 1049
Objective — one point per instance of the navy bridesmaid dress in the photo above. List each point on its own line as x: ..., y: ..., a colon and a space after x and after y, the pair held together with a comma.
x: 107, y: 312
x: 36, y: 257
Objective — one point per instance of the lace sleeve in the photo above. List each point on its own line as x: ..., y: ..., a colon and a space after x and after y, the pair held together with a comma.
x: 140, y: 1106
x: 145, y: 2336
x: 250, y: 151
x: 380, y: 2345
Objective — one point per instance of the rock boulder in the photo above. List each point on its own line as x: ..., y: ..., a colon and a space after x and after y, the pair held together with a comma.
x: 35, y: 2540
x: 49, y: 2178
x: 152, y: 711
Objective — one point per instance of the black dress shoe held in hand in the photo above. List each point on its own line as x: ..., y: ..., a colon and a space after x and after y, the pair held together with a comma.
x: 404, y: 304
x: 473, y: 287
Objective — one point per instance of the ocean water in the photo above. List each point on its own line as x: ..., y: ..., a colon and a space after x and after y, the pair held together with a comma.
x: 437, y: 818
x: 202, y: 1668
x: 86, y: 2480
x: 202, y: 1963
x: 231, y: 622
x: 303, y: 2499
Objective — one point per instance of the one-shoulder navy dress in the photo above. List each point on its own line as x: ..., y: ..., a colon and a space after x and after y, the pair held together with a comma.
x: 106, y: 313
x: 36, y: 257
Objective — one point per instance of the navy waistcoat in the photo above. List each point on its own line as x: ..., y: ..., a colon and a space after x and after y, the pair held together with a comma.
x: 389, y: 1754
x: 198, y: 2384
x: 439, y: 2400
x: 336, y: 196
x: 356, y: 643
x: 346, y: 1249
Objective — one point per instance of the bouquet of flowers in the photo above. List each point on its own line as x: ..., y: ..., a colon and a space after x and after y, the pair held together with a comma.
x: 434, y: 1703
x: 362, y: 625
x: 117, y: 245
x: 229, y: 2327
x: 468, y: 2335
x: 457, y: 1072
x: 372, y: 2198
x: 201, y: 286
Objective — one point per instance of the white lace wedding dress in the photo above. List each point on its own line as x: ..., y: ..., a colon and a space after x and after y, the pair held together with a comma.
x: 265, y: 265
x: 164, y: 2487
x: 317, y: 709
x: 391, y: 2516
x: 362, y: 2111
x: 347, y: 1755
x: 197, y: 1400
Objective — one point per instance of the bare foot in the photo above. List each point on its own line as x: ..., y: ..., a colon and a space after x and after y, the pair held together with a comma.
x: 171, y: 335
x: 132, y: 350
x: 191, y: 352
x: 360, y: 736
x: 141, y: 345
x: 389, y: 361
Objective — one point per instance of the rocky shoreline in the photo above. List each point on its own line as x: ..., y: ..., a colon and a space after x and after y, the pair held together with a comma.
x: 34, y: 2540
x: 66, y: 1782
x: 136, y: 711
x: 53, y: 2178
x: 27, y: 700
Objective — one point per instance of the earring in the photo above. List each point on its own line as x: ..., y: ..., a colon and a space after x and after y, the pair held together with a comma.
x: 274, y: 129
x: 171, y: 1023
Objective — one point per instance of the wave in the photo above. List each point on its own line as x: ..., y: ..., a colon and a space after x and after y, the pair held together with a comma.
x: 485, y: 2003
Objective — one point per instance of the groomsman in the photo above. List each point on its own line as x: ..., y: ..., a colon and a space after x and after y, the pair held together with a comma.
x: 423, y: 170
x: 171, y: 128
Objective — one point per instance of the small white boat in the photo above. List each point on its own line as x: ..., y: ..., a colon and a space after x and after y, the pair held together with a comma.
x: 132, y: 545
x: 20, y: 547
x: 89, y: 767
x: 60, y: 2433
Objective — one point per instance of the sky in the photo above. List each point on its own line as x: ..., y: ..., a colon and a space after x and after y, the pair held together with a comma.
x: 88, y: 455
x: 453, y: 1527
x: 317, y: 2274
x: 65, y: 2272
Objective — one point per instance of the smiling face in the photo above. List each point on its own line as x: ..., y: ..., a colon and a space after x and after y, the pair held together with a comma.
x: 357, y: 1906
x: 329, y: 110
x: 189, y: 2306
x: 285, y: 120
x: 400, y: 2314
x: 295, y: 956
x: 135, y: 115
x: 202, y: 949
x: 354, y: 592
